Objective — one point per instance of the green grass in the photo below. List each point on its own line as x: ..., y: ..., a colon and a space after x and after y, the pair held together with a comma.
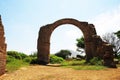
x: 88, y: 67
x: 118, y: 65
x: 15, y: 64
x: 81, y: 65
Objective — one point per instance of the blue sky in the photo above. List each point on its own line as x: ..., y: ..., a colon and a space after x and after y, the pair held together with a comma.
x: 22, y: 20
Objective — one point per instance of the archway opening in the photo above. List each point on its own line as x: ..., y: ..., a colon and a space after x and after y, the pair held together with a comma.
x: 64, y: 38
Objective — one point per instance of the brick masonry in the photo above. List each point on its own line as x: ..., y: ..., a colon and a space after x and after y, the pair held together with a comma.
x: 2, y: 49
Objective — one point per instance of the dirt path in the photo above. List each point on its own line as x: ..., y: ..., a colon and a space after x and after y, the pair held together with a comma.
x: 57, y: 73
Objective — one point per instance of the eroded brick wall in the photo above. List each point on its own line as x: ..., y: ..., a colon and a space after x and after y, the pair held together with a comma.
x: 2, y: 49
x: 2, y: 63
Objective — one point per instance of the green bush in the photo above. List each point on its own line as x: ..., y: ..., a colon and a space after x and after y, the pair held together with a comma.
x: 119, y: 57
x: 10, y: 59
x: 27, y: 59
x: 63, y: 53
x: 15, y: 64
x: 34, y: 54
x: 15, y: 60
x: 14, y: 54
x: 55, y: 59
x: 23, y: 55
x: 96, y: 61
x: 34, y: 61
x: 17, y: 55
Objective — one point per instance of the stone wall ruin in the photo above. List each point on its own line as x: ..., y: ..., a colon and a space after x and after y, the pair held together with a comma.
x: 2, y: 49
x: 94, y: 46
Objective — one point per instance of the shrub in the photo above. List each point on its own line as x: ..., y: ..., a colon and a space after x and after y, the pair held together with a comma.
x: 15, y: 64
x: 55, y: 59
x: 14, y: 54
x: 34, y: 54
x: 22, y: 55
x: 64, y: 54
x: 17, y: 55
x: 119, y: 57
x: 27, y: 59
x: 96, y: 61
x: 10, y: 59
x: 34, y: 61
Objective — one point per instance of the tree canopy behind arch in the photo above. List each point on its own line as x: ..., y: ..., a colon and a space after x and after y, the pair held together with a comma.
x: 64, y: 54
x: 118, y: 34
x: 80, y: 44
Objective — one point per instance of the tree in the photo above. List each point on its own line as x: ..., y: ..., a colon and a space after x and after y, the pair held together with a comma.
x: 34, y: 54
x: 64, y: 54
x: 118, y: 34
x: 80, y: 44
x: 17, y: 55
x: 112, y: 39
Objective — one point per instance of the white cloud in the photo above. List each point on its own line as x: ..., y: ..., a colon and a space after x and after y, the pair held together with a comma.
x: 108, y: 21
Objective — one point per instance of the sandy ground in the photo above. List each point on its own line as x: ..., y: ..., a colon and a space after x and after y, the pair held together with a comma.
x: 38, y: 72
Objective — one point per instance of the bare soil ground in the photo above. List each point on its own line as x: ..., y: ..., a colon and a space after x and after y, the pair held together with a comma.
x: 38, y: 72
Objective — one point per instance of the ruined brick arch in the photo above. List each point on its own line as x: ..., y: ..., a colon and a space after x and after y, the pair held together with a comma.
x: 94, y: 46
x: 45, y: 32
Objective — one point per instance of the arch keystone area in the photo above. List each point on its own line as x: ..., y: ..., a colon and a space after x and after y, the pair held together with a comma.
x: 94, y: 46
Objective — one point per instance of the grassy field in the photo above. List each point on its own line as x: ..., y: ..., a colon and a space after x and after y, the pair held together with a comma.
x: 77, y: 65
x: 81, y: 65
x: 40, y: 72
x: 15, y: 65
x: 16, y: 60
